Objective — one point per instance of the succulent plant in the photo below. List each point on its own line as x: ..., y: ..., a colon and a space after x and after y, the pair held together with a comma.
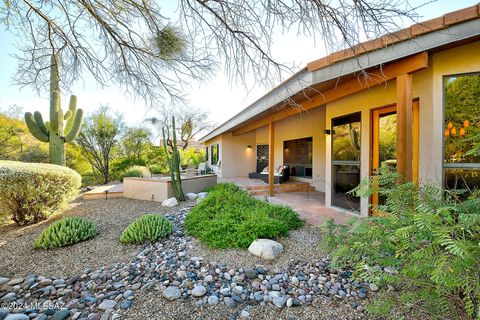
x: 150, y: 227
x: 66, y: 232
x: 173, y: 162
x: 55, y: 132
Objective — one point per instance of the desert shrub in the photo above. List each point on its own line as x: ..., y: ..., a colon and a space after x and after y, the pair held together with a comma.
x: 427, y: 244
x: 136, y: 171
x: 150, y: 227
x: 66, y: 232
x: 158, y: 170
x: 31, y: 192
x: 229, y: 218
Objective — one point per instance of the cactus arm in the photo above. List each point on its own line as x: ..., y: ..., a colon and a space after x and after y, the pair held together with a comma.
x: 72, y: 107
x: 34, y: 128
x: 76, y: 126
x: 47, y: 125
x: 67, y: 116
x: 54, y: 108
x: 39, y: 121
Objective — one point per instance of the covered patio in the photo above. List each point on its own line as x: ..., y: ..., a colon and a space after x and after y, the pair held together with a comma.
x: 300, y: 196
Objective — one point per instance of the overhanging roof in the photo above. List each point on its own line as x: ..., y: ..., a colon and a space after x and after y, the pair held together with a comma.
x: 348, y: 62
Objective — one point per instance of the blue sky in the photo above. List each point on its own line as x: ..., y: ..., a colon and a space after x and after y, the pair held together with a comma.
x: 220, y: 98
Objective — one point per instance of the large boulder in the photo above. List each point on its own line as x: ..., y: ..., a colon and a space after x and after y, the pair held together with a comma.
x: 191, y: 196
x: 265, y: 249
x: 171, y: 202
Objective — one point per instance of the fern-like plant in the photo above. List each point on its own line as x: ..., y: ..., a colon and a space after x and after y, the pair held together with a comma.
x: 150, y: 227
x: 66, y: 232
x: 427, y: 244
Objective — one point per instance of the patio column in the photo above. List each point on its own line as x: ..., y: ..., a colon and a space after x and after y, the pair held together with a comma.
x: 404, y: 127
x: 271, y: 159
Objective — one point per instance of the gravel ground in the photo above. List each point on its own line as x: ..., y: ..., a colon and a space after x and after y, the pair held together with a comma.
x: 149, y: 305
x: 302, y: 244
x: 18, y: 257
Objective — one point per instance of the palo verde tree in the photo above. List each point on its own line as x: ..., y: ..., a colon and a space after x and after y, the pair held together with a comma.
x: 54, y: 132
x: 135, y: 44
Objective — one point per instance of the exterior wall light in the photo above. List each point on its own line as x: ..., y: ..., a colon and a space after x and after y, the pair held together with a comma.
x: 327, y: 132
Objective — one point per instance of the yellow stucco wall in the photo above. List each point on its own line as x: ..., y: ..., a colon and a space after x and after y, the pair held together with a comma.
x: 427, y: 87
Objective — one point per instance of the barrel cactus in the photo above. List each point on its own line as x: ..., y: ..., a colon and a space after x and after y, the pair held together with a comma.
x: 55, y: 132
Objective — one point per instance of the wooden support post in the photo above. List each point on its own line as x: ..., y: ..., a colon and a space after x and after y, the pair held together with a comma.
x: 271, y: 159
x: 404, y: 127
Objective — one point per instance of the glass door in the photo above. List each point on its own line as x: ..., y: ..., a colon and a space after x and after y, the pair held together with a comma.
x: 346, y: 161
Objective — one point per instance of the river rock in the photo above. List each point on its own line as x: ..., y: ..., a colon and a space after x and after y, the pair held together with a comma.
x: 171, y: 202
x: 265, y: 249
x: 171, y: 293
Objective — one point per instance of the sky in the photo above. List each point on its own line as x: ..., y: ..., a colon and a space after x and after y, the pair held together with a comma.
x: 221, y: 99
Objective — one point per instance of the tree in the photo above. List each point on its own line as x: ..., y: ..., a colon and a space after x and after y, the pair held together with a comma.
x: 190, y: 122
x: 136, y: 44
x: 11, y: 134
x: 135, y: 142
x: 97, y: 139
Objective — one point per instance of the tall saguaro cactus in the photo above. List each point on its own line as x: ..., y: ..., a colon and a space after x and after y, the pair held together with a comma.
x: 173, y: 162
x: 55, y: 132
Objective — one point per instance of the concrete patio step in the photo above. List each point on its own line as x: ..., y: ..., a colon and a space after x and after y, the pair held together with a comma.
x: 279, y: 188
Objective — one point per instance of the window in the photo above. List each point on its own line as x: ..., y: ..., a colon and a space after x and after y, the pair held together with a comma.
x: 214, y: 151
x: 297, y: 155
x: 346, y: 161
x: 462, y: 132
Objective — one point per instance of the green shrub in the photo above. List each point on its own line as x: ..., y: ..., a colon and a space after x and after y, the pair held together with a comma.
x: 427, y: 244
x: 150, y: 227
x: 136, y: 171
x: 66, y: 232
x: 31, y: 192
x: 158, y: 170
x: 229, y: 218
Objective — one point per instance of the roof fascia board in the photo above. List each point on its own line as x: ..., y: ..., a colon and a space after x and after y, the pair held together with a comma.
x: 304, y: 79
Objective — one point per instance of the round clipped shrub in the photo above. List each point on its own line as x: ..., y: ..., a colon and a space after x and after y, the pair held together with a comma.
x: 136, y: 171
x: 31, y: 192
x: 66, y: 232
x: 150, y: 227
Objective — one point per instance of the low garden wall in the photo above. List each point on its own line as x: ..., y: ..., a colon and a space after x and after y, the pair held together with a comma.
x: 160, y: 189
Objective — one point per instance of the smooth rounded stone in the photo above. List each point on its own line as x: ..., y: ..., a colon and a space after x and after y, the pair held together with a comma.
x: 9, y: 297
x: 181, y: 274
x: 229, y: 302
x: 360, y: 308
x: 225, y: 291
x: 208, y: 278
x: 275, y: 294
x: 17, y: 316
x: 373, y: 287
x: 128, y: 293
x: 126, y: 304
x: 3, y: 313
x: 362, y: 295
x: 275, y: 287
x: 170, y: 202
x: 251, y: 273
x: 191, y: 196
x: 244, y: 314
x: 258, y: 296
x: 238, y: 290
x: 295, y: 281
x: 15, y: 281
x: 3, y: 280
x: 279, y: 302
x: 202, y: 195
x: 289, y: 302
x: 61, y: 314
x: 265, y: 249
x: 213, y: 300
x: 171, y: 293
x: 107, y: 304
x: 199, y: 291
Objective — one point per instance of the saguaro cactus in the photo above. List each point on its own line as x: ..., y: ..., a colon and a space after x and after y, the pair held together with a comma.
x: 173, y: 162
x: 54, y: 132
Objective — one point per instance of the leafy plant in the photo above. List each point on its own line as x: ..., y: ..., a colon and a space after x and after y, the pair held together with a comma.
x: 66, y: 232
x: 136, y: 171
x: 150, y: 227
x: 229, y: 218
x: 427, y: 244
x: 31, y: 192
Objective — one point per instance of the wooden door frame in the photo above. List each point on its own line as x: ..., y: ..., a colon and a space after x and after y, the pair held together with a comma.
x: 389, y: 108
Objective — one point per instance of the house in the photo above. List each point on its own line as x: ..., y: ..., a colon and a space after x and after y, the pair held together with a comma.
x: 408, y: 100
